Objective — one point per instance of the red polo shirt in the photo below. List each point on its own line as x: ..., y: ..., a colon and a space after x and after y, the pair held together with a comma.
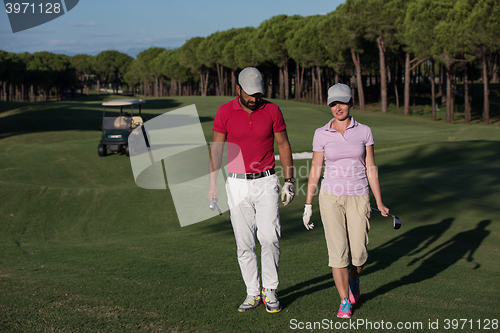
x: 252, y: 132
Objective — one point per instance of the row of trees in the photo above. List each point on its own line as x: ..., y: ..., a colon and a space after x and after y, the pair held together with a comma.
x: 33, y: 77
x: 25, y: 76
x: 386, y: 44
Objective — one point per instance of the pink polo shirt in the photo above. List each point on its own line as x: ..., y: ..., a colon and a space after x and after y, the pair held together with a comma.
x: 345, y: 169
x: 252, y: 132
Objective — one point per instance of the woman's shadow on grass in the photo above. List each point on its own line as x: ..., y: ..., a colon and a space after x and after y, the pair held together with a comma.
x: 413, y: 242
x: 438, y: 259
x: 381, y: 257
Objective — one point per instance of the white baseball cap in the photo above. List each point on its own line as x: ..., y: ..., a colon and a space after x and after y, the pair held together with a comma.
x: 251, y: 81
x: 339, y: 93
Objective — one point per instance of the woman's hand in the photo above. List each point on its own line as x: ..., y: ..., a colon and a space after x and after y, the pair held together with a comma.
x: 383, y: 209
x: 306, y: 217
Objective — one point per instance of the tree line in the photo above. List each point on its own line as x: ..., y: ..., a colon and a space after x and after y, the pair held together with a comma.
x: 35, y: 77
x: 383, y: 49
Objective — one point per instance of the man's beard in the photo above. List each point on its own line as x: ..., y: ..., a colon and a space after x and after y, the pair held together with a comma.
x: 252, y: 107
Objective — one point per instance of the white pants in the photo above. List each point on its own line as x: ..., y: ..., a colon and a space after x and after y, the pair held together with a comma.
x: 253, y: 207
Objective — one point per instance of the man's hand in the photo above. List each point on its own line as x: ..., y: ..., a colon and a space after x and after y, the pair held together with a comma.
x: 287, y: 193
x: 306, y: 217
x: 212, y: 192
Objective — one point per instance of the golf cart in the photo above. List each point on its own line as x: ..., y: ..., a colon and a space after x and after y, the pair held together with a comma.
x: 115, y: 130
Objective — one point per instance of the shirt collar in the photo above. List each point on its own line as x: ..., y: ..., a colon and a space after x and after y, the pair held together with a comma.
x: 328, y: 127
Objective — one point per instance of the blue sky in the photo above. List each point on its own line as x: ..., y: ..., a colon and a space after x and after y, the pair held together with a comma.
x: 130, y: 26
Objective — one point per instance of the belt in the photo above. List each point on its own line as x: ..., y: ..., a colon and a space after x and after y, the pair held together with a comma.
x: 252, y: 176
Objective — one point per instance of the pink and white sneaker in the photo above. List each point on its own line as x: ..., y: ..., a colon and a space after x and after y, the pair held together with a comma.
x: 345, y: 309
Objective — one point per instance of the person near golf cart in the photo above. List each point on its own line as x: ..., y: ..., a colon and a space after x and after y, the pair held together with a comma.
x: 116, y: 130
x: 346, y: 147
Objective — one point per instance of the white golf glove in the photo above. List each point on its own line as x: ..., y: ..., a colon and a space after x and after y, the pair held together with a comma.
x: 287, y: 193
x: 306, y: 217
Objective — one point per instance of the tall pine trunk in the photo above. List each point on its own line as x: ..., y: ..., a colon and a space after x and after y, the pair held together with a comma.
x: 383, y: 77
x: 220, y: 84
x: 414, y: 87
x: 173, y: 87
x: 233, y: 83
x: 486, y: 84
x: 449, y: 92
x: 269, y: 85
x: 286, y: 79
x: 433, y: 90
x: 156, y: 87
x: 202, y: 85
x: 359, y: 79
x: 319, y: 90
x: 302, y: 84
x: 203, y: 82
x: 407, y: 85
x: 282, y: 85
x: 467, y: 95
x: 298, y: 82
x: 444, y: 74
x: 494, y: 71
x: 313, y: 86
x: 224, y: 79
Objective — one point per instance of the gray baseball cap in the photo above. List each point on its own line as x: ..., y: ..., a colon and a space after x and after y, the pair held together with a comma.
x: 251, y: 81
x: 339, y: 93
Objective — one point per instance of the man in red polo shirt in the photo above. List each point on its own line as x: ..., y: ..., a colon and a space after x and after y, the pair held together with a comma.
x: 250, y: 125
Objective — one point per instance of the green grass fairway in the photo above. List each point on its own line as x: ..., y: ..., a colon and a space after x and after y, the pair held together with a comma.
x: 83, y: 249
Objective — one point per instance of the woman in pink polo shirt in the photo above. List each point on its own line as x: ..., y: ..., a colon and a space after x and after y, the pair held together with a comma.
x: 346, y: 147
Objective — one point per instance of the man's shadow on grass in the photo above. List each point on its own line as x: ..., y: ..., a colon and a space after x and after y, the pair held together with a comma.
x: 289, y: 295
x: 438, y: 259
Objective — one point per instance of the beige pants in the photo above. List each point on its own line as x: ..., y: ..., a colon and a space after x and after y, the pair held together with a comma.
x: 346, y: 221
